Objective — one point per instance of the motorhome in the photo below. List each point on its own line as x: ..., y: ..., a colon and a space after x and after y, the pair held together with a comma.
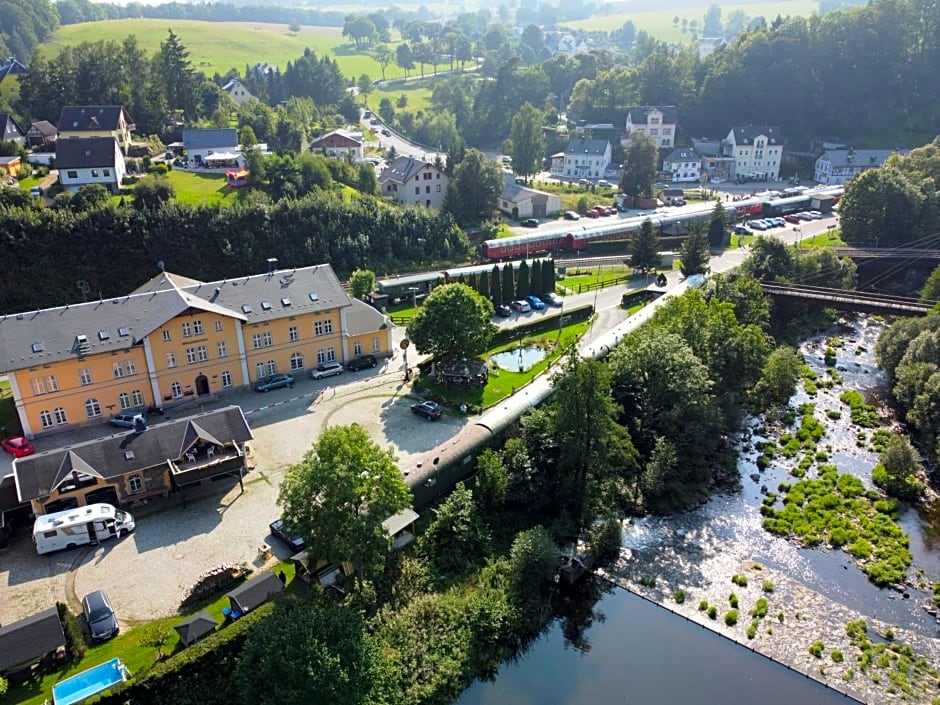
x: 80, y: 526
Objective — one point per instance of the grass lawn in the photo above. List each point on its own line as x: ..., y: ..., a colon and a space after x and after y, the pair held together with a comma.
x: 503, y: 383
x: 203, y: 188
x: 827, y: 239
x: 417, y: 92
x: 9, y: 420
x: 659, y: 23
x: 570, y: 194
x: 220, y: 46
x: 581, y: 277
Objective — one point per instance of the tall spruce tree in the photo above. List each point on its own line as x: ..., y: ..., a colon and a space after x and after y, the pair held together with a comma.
x: 644, y: 248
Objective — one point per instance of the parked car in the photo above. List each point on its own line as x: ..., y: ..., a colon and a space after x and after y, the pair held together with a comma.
x: 571, y: 215
x: 36, y: 191
x: 741, y: 230
x: 583, y: 182
x: 279, y: 529
x: 678, y: 201
x: 326, y: 369
x: 374, y: 121
x: 535, y: 302
x: 593, y: 213
x: 521, y: 306
x: 716, y: 180
x: 17, y: 446
x: 551, y: 298
x: 804, y: 216
x: 530, y: 223
x: 778, y: 222
x: 604, y: 183
x: 274, y: 382
x: 128, y: 420
x: 386, y: 132
x: 503, y: 311
x: 362, y: 362
x: 102, y: 622
x: 428, y: 409
x: 757, y: 225
x: 815, y: 215
x: 506, y: 159
x: 791, y: 218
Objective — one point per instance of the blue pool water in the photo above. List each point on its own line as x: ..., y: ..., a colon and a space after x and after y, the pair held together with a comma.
x: 87, y: 683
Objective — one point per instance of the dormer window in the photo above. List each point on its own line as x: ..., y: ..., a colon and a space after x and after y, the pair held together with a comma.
x: 37, y: 346
x: 265, y: 305
x: 103, y: 335
x: 285, y: 301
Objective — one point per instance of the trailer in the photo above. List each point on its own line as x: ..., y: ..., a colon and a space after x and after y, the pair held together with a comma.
x: 80, y: 526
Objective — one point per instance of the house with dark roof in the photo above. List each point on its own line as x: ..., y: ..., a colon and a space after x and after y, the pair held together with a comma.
x: 583, y: 158
x: 84, y: 121
x: 176, y: 340
x: 12, y: 67
x: 339, y: 143
x: 237, y: 91
x: 206, y: 145
x: 92, y: 160
x: 30, y: 641
x: 254, y: 593
x: 523, y: 202
x: 838, y: 166
x: 131, y: 466
x: 41, y: 133
x: 10, y: 131
x: 683, y: 165
x: 757, y: 151
x: 656, y: 121
x: 413, y: 182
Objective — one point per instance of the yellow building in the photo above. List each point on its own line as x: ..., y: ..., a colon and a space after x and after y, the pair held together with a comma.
x: 176, y: 339
x: 78, y: 121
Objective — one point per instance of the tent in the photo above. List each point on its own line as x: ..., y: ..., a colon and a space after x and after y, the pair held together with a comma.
x: 196, y: 627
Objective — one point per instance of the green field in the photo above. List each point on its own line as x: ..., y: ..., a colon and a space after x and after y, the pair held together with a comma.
x: 659, y: 23
x: 417, y: 92
x: 203, y: 188
x: 220, y: 46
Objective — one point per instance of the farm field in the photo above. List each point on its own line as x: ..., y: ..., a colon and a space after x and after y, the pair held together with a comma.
x: 217, y: 47
x: 659, y: 23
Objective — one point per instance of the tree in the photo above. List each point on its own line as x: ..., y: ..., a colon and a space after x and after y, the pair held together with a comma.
x: 367, y: 182
x: 364, y: 83
x: 479, y: 182
x: 718, y: 226
x: 361, y: 283
x: 454, y: 322
x: 783, y: 369
x: 457, y: 538
x: 338, y: 496
x: 533, y: 559
x: 528, y: 144
x: 644, y: 248
x: 496, y: 286
x: 88, y: 197
x: 639, y: 166
x: 523, y: 281
x: 711, y: 26
x: 179, y: 77
x: 404, y: 57
x: 384, y: 57
x: 360, y: 29
x: 387, y: 110
x: 931, y: 290
x: 306, y: 653
x: 882, y: 207
x: 151, y: 192
x: 548, y: 276
x: 693, y: 255
x: 898, y: 469
x: 509, y: 283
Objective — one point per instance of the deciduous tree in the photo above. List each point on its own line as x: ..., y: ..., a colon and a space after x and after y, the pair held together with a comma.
x: 528, y: 144
x: 639, y: 166
x: 361, y: 282
x: 454, y: 322
x: 479, y: 182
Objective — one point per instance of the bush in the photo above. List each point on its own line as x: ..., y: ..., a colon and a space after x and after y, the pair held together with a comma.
x: 817, y: 649
x: 712, y: 611
x: 75, y: 644
x: 837, y: 656
x: 760, y: 608
x: 703, y: 604
x: 739, y: 580
x: 679, y: 596
x: 733, y: 600
x: 752, y: 629
x: 768, y: 586
x: 731, y: 617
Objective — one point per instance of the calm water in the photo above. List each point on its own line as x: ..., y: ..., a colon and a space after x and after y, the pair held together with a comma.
x: 520, y: 359
x: 637, y: 653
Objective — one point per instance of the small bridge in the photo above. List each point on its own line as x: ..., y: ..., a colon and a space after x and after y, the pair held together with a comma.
x: 845, y: 300
x: 887, y: 253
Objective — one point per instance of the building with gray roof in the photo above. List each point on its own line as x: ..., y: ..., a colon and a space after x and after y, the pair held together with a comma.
x: 838, y: 166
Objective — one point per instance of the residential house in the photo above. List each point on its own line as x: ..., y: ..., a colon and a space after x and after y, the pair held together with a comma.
x: 656, y: 121
x: 413, y: 182
x: 42, y: 134
x: 838, y: 166
x: 12, y: 67
x: 11, y: 166
x: 84, y: 121
x: 757, y: 151
x: 714, y: 164
x: 30, y: 641
x: 683, y: 165
x: 523, y: 202
x: 205, y: 146
x: 175, y: 340
x: 93, y: 160
x: 339, y: 143
x: 237, y: 92
x: 132, y: 466
x: 10, y: 131
x: 584, y: 158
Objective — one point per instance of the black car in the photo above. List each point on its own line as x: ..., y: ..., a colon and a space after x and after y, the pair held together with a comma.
x: 428, y: 409
x: 530, y: 223
x: 361, y: 363
x: 102, y: 622
x: 279, y: 529
x: 503, y: 311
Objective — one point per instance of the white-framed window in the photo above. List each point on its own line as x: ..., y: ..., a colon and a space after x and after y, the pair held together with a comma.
x: 135, y: 483
x: 92, y: 408
x: 294, y: 333
x: 262, y: 340
x: 84, y: 376
x: 226, y: 379
x: 45, y: 418
x: 118, y: 370
x: 197, y: 353
x: 166, y: 335
x: 124, y: 399
x: 197, y: 327
x: 137, y: 398
x: 357, y: 348
x: 130, y: 367
x: 176, y: 389
x: 296, y: 362
x: 323, y: 327
x: 326, y: 355
x: 259, y: 370
x: 60, y: 415
x: 45, y: 385
x: 222, y: 348
x: 218, y: 326
x: 171, y: 359
x: 187, y: 329
x: 272, y: 367
x: 375, y: 345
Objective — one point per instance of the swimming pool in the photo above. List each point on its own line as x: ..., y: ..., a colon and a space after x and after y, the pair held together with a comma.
x: 87, y: 683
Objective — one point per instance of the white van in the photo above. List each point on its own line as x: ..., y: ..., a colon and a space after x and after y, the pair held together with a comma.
x: 80, y: 526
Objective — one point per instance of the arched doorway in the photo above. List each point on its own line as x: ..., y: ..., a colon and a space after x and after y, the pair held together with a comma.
x: 202, y: 386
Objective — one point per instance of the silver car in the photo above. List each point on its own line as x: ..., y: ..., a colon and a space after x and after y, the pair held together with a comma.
x: 326, y: 369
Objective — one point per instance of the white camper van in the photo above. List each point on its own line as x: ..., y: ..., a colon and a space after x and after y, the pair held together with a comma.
x: 80, y: 526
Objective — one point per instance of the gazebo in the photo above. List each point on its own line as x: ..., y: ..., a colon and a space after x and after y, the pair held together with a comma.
x: 463, y: 374
x: 196, y: 627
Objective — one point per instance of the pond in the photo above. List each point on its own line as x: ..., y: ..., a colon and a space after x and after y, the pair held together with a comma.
x: 519, y: 359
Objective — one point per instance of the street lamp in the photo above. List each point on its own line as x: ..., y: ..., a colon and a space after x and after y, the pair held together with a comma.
x: 414, y: 295
x: 799, y: 234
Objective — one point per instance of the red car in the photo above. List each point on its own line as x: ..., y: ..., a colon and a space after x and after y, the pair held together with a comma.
x: 791, y: 218
x: 593, y: 213
x: 17, y: 446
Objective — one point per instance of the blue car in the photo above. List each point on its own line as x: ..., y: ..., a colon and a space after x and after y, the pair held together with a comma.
x: 535, y: 302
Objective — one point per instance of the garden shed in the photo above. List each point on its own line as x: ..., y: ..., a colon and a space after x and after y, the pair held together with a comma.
x: 255, y: 593
x: 196, y: 627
